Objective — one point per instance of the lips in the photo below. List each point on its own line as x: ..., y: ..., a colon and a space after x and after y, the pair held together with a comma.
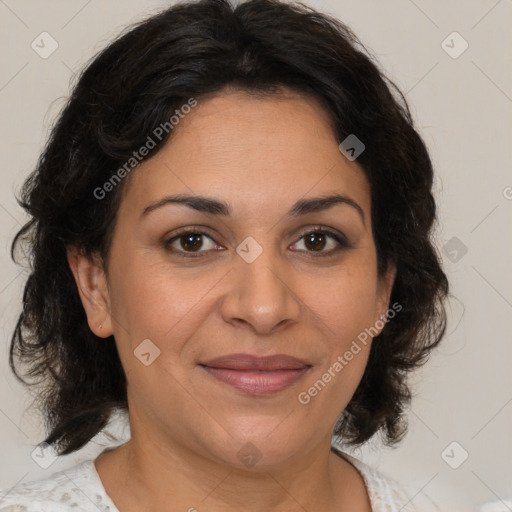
x: 256, y: 375
x: 250, y: 362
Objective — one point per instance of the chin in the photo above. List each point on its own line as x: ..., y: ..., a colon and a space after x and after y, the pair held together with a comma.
x: 267, y: 444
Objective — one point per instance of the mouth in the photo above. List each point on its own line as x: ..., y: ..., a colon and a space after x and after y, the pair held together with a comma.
x: 256, y: 375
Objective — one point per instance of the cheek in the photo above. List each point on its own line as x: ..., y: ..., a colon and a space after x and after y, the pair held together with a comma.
x: 150, y: 299
x: 345, y: 301
x: 344, y: 305
x: 346, y: 310
x: 151, y: 302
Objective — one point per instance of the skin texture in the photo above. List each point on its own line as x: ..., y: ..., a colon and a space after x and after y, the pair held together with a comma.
x: 260, y: 155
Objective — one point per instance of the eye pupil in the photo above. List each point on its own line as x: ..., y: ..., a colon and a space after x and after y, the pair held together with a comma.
x: 312, y: 241
x: 193, y: 239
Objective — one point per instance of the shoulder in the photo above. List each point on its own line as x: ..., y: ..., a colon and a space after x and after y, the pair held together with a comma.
x: 75, y: 488
x: 386, y: 494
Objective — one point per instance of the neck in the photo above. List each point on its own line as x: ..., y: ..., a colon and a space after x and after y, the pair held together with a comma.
x: 148, y: 473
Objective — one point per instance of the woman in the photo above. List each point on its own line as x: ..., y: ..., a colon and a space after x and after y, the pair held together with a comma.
x: 231, y: 242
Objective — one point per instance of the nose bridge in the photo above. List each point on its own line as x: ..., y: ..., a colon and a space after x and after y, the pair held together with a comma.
x: 260, y: 294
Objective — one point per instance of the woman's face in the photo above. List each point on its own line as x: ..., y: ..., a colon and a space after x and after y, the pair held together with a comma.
x: 253, y: 282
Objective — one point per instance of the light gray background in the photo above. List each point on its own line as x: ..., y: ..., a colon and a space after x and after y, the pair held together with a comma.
x: 462, y: 107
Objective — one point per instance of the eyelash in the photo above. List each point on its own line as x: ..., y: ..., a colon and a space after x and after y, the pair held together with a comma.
x: 341, y: 240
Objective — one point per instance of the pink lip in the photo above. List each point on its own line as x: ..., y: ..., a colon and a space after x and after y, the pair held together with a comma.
x: 257, y: 375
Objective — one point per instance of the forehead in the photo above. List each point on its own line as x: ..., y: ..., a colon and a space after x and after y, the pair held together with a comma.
x: 263, y: 150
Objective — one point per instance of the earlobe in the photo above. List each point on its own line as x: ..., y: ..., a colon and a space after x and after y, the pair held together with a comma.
x: 384, y: 293
x: 92, y: 287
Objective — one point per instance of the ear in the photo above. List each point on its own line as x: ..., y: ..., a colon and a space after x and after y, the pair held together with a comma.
x: 93, y: 290
x: 384, y: 287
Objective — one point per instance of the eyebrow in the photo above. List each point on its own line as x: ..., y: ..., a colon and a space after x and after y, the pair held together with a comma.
x: 212, y: 206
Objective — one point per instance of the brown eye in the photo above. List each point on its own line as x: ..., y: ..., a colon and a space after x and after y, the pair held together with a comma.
x: 191, y: 241
x: 322, y: 242
x: 315, y: 241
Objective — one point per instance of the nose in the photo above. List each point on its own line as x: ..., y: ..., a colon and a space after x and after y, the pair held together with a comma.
x: 261, y: 295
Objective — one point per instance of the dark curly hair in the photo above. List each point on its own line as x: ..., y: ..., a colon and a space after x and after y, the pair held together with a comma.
x: 134, y: 85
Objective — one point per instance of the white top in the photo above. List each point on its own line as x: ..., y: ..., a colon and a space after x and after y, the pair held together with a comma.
x: 80, y: 489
